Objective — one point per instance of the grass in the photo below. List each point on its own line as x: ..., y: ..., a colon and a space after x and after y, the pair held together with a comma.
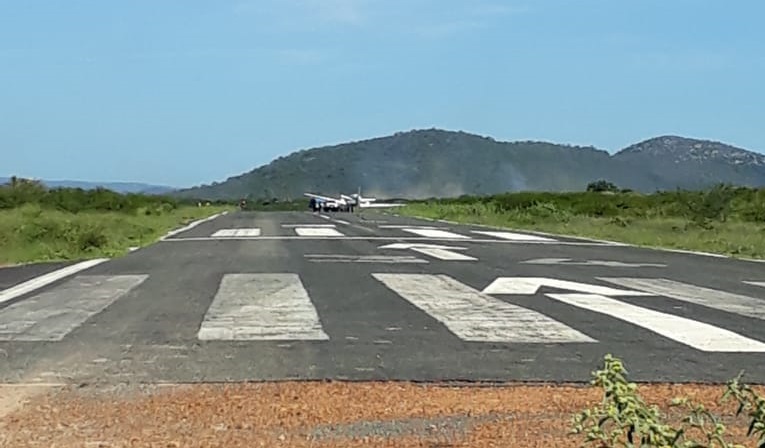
x: 31, y: 234
x: 732, y: 237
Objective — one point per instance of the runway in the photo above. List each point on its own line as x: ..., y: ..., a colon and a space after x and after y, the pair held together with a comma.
x: 371, y: 296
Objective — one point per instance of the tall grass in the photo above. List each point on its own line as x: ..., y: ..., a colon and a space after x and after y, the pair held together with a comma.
x: 41, y: 224
x: 31, y: 233
x: 721, y: 220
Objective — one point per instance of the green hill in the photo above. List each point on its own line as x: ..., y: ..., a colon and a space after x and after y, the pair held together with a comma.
x: 438, y: 163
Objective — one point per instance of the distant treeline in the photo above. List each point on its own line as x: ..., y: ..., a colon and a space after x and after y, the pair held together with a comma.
x: 19, y: 192
x: 719, y: 203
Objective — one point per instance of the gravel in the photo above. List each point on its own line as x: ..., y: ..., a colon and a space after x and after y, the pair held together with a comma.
x: 317, y: 414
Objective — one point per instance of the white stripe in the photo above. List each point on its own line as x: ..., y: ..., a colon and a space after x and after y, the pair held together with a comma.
x: 324, y: 216
x: 191, y: 225
x: 390, y: 259
x: 43, y: 280
x: 443, y: 254
x: 261, y: 307
x: 316, y: 231
x: 399, y: 226
x: 474, y: 316
x: 51, y: 315
x: 391, y: 238
x: 698, y: 335
x: 711, y: 298
x: 530, y: 285
x: 512, y: 236
x: 225, y: 233
x: 694, y: 252
x: 342, y: 222
x: 434, y: 233
x: 756, y: 283
x: 287, y: 226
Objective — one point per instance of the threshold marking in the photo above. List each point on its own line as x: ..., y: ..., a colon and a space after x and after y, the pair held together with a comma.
x: 51, y: 315
x: 434, y: 233
x: 225, y: 233
x: 249, y: 307
x: 711, y: 298
x: 389, y: 238
x: 531, y: 285
x: 512, y: 236
x: 321, y: 258
x: 433, y: 250
x: 473, y: 316
x: 317, y: 231
x: 46, y: 279
x: 699, y: 335
x: 606, y: 263
x: 400, y: 226
x: 307, y: 225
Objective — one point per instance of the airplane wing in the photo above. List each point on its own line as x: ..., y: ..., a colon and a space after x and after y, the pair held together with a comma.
x: 322, y: 198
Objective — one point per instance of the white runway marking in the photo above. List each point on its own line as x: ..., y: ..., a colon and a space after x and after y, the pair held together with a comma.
x: 606, y: 263
x: 442, y: 254
x: 512, y: 236
x: 474, y: 316
x: 226, y: 233
x: 399, y: 226
x: 43, y: 280
x: 530, y: 285
x: 317, y: 231
x: 433, y: 250
x: 287, y: 226
x: 711, y: 298
x: 51, y: 315
x: 698, y: 335
x: 387, y: 238
x: 756, y: 283
x: 252, y: 307
x: 191, y: 225
x: 434, y: 233
x: 390, y: 259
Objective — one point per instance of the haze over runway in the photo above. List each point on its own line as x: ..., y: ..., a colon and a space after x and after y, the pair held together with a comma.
x: 362, y: 296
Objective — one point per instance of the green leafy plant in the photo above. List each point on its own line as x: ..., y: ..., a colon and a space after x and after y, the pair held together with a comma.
x: 623, y: 419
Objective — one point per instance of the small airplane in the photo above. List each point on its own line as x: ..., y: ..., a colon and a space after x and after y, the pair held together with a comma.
x: 345, y: 203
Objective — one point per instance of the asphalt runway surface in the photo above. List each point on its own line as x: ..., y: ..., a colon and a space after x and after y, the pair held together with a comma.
x: 371, y: 296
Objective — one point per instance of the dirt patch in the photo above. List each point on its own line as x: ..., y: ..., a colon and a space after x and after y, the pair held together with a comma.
x: 14, y: 396
x: 302, y: 414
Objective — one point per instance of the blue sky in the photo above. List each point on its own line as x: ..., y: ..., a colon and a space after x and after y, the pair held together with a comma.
x: 183, y: 92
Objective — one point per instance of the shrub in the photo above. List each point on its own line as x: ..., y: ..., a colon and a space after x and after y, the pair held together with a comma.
x: 623, y: 419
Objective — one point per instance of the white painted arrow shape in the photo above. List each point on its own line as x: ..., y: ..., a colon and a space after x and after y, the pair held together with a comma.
x: 699, y: 335
x: 708, y: 297
x: 612, y: 264
x: 530, y: 286
x: 433, y: 250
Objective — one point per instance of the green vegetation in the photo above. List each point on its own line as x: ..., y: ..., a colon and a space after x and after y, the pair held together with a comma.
x: 623, y: 419
x: 722, y: 219
x: 40, y: 224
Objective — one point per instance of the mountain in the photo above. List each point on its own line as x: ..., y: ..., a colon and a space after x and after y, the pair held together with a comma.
x: 428, y: 163
x: 676, y: 161
x: 120, y: 187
